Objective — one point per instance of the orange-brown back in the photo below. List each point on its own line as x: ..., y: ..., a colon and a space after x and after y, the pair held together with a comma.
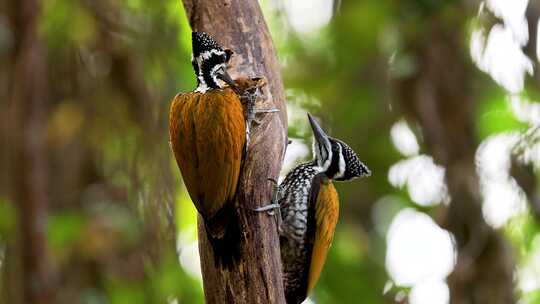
x: 207, y: 135
x: 326, y: 217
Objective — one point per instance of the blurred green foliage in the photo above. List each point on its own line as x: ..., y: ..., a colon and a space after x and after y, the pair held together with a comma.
x: 341, y: 72
x: 494, y: 115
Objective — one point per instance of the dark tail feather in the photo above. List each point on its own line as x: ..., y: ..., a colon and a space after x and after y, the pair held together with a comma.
x: 223, y: 233
x: 216, y: 227
x: 294, y: 297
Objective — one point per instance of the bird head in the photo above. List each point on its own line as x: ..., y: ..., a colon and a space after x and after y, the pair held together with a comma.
x: 209, y: 62
x: 335, y: 158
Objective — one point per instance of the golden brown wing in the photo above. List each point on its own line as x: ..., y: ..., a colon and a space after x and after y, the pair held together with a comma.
x: 182, y: 135
x: 207, y: 135
x: 326, y: 210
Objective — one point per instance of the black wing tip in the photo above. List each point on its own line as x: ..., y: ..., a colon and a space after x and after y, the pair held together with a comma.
x: 295, y: 297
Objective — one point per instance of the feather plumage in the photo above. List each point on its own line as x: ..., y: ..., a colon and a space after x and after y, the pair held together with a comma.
x: 207, y: 135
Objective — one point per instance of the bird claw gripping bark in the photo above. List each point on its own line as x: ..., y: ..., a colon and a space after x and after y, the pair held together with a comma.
x: 250, y: 91
x: 273, y: 209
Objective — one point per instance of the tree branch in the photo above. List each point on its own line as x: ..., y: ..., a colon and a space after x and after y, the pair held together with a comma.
x: 28, y: 159
x: 256, y: 276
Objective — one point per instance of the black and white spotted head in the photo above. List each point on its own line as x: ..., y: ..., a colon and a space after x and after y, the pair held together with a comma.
x: 209, y: 62
x: 334, y: 157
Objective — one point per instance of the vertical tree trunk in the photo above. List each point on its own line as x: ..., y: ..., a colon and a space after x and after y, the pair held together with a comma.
x: 256, y: 276
x: 438, y: 96
x: 28, y: 161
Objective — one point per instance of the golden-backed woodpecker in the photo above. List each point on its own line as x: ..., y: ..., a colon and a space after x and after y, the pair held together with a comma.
x: 309, y: 208
x: 207, y: 133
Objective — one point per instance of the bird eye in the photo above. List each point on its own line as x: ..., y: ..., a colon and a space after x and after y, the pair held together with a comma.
x: 228, y: 55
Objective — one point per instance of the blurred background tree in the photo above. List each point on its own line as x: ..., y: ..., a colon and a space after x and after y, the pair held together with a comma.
x: 439, y: 98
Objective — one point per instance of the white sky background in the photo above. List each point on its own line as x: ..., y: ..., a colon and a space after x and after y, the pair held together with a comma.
x: 499, y: 54
x: 418, y: 250
x: 308, y: 16
x: 503, y: 199
x: 418, y: 173
x: 419, y: 253
x: 404, y: 139
x: 188, y: 252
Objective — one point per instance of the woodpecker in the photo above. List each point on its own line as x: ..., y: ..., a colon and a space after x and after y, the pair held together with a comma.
x: 207, y: 133
x: 309, y: 208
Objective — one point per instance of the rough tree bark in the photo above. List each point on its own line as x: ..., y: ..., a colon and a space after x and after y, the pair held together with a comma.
x: 256, y: 276
x: 27, y: 255
x: 439, y: 97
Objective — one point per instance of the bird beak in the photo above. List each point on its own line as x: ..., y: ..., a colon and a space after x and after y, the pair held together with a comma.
x: 227, y: 79
x: 322, y: 145
x: 318, y: 132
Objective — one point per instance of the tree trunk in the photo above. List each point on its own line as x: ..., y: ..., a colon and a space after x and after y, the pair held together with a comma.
x: 256, y: 276
x: 28, y: 264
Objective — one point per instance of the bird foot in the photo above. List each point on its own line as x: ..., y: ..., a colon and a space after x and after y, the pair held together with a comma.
x: 272, y: 110
x: 272, y: 209
x: 262, y: 111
